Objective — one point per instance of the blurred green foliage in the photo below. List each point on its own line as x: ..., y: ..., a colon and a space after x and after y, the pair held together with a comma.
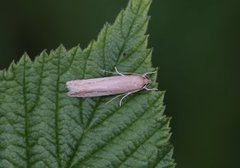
x: 196, y: 47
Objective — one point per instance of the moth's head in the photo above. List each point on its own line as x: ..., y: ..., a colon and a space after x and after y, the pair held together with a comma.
x: 146, y: 80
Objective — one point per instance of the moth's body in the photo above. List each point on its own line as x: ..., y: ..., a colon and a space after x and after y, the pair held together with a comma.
x: 106, y: 86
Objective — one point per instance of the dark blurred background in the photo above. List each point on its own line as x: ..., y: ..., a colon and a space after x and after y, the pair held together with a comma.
x: 196, y: 47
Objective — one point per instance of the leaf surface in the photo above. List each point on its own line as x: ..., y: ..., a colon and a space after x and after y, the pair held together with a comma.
x: 40, y: 126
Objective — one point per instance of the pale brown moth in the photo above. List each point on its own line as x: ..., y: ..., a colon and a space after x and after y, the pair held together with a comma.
x: 105, y: 86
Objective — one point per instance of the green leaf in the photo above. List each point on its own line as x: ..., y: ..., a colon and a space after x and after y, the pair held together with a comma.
x: 40, y: 126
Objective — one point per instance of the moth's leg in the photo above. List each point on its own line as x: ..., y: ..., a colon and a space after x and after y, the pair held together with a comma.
x: 127, y: 73
x: 119, y: 73
x: 127, y: 94
x: 148, y: 73
x: 152, y: 89
x: 148, y: 89
x: 108, y: 71
x: 120, y: 102
x: 114, y: 98
x: 116, y: 72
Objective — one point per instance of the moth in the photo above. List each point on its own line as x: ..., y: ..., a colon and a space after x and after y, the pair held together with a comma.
x: 121, y: 85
